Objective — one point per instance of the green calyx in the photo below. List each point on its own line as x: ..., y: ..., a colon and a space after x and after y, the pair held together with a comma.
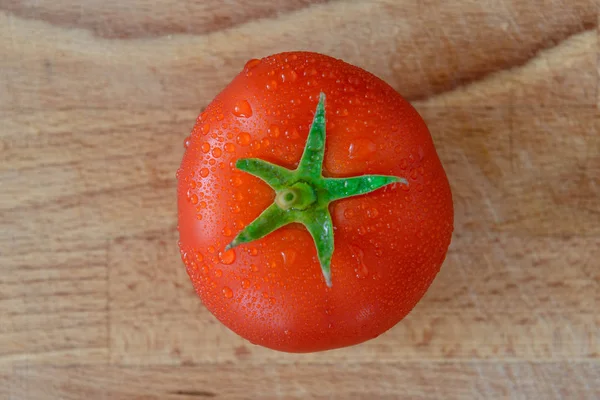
x: 303, y: 195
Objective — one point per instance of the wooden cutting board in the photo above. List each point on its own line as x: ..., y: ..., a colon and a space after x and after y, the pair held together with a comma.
x: 96, y: 98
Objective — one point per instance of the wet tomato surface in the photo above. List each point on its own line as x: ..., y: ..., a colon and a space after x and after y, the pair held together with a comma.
x: 279, y: 289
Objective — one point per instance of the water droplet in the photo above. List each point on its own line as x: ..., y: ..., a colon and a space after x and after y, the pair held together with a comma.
x: 253, y: 251
x: 360, y: 268
x: 229, y: 147
x: 220, y: 117
x: 227, y: 257
x: 206, y: 128
x: 413, y: 174
x: 245, y: 283
x: 343, y: 112
x: 217, y: 152
x: 243, y: 138
x: 372, y: 213
x: 348, y: 213
x: 204, y: 172
x: 361, y: 149
x: 205, y: 269
x: 251, y: 64
x: 273, y: 131
x: 186, y: 142
x: 205, y: 147
x: 289, y: 76
x: 226, y: 231
x: 289, y: 256
x: 236, y: 181
x: 242, y: 109
x: 227, y: 292
x: 194, y: 199
x: 253, y: 267
x: 272, y: 86
x: 310, y: 72
x: 218, y: 273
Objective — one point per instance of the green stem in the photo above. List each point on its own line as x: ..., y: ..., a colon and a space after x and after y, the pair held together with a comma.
x: 303, y: 195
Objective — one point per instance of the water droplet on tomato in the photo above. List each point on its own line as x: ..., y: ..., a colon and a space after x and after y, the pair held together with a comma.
x: 372, y: 213
x: 362, y: 149
x: 194, y: 199
x: 226, y: 231
x: 227, y: 292
x: 245, y: 283
x: 206, y: 128
x: 251, y: 64
x: 272, y: 86
x: 204, y: 172
x: 236, y: 181
x: 289, y: 76
x: 186, y: 142
x: 227, y: 257
x: 343, y: 112
x: 205, y: 147
x: 242, y: 109
x: 243, y: 138
x: 229, y: 147
x: 348, y: 213
x: 217, y: 152
x: 360, y: 268
x: 289, y: 256
x: 218, y: 273
x: 253, y: 267
x: 273, y: 131
x: 205, y: 269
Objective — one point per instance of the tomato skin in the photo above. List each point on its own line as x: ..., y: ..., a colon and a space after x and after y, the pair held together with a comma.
x: 389, y: 244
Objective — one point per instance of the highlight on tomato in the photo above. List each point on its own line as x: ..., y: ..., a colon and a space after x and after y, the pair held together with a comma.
x: 313, y: 209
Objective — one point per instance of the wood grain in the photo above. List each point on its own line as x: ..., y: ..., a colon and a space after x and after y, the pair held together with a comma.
x: 96, y: 98
x: 411, y: 380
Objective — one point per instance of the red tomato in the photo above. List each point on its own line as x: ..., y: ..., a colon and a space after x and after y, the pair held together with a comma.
x: 389, y: 243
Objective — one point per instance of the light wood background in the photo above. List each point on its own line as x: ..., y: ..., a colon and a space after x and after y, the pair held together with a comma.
x: 96, y: 98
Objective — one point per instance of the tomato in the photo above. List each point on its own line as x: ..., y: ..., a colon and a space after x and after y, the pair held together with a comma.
x: 313, y: 209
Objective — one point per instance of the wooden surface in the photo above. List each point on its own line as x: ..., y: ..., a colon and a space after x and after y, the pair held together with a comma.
x: 96, y: 98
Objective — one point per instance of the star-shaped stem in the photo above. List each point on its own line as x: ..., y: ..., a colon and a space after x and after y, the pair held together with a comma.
x: 303, y: 195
